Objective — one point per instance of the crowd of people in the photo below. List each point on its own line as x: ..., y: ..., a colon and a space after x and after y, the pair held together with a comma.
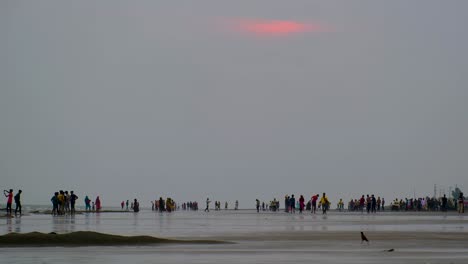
x: 429, y: 204
x: 63, y: 203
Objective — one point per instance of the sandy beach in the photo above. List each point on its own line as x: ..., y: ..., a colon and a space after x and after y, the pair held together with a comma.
x: 256, y: 238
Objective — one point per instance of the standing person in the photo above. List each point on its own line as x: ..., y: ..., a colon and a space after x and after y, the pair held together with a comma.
x: 136, y: 206
x: 18, y: 202
x: 301, y: 204
x: 122, y: 204
x: 368, y: 203
x: 258, y: 205
x: 314, y: 202
x: 286, y: 203
x: 324, y: 202
x: 444, y: 203
x: 207, y: 209
x: 87, y: 204
x: 61, y: 198
x: 340, y: 205
x: 362, y: 203
x: 379, y: 202
x: 55, y: 204
x: 67, y: 201
x: 292, y: 204
x: 161, y: 204
x: 461, y: 204
x: 226, y: 205
x: 126, y: 205
x: 236, y: 206
x: 73, y: 198
x: 98, y: 204
x: 9, y: 195
x: 373, y: 204
x: 383, y: 204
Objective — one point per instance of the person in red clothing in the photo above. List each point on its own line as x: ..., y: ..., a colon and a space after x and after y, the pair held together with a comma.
x: 98, y: 204
x: 362, y: 203
x: 301, y: 204
x: 314, y: 203
x: 9, y: 195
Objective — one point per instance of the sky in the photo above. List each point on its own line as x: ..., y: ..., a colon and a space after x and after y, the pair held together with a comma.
x: 233, y: 100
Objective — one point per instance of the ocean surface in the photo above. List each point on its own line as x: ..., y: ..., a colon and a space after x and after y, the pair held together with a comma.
x: 265, y: 237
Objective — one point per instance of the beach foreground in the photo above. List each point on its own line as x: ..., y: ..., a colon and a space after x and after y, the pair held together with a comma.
x: 257, y: 238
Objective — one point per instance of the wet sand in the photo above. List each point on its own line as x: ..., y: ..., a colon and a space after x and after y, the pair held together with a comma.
x: 259, y: 238
x: 87, y: 238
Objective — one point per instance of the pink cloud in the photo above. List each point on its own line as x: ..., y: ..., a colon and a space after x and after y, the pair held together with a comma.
x: 275, y: 27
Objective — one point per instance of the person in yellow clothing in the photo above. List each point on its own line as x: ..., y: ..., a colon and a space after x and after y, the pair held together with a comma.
x: 340, y: 205
x: 61, y: 202
x: 325, y: 203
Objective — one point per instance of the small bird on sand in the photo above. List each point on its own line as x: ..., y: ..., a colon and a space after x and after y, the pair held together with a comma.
x: 364, y: 238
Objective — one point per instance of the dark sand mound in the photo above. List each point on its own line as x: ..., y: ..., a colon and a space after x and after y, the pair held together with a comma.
x: 87, y: 238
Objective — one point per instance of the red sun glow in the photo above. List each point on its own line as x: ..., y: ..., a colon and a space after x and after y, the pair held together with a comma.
x: 276, y: 27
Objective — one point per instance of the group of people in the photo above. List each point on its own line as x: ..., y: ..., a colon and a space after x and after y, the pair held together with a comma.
x: 63, y: 202
x: 10, y: 195
x: 192, y: 206
x: 161, y: 205
x: 271, y: 206
x: 369, y: 203
x: 218, y: 205
x: 315, y: 202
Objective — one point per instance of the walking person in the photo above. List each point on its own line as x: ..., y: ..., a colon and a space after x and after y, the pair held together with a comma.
x: 207, y: 209
x: 324, y: 202
x: 314, y: 203
x: 258, y: 205
x: 18, y: 202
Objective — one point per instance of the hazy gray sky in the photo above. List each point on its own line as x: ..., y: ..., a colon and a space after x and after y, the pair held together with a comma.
x: 141, y: 99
